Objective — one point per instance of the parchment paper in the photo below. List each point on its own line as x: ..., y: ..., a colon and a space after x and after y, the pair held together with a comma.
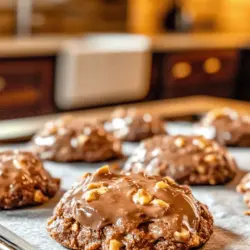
x: 232, y: 227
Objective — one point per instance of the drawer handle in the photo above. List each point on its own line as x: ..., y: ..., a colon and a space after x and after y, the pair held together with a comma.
x: 181, y: 70
x: 212, y: 65
x: 2, y: 83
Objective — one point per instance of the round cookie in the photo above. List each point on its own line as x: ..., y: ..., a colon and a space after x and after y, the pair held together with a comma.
x: 71, y: 139
x: 24, y: 181
x: 129, y: 211
x: 228, y: 127
x: 130, y: 125
x: 244, y: 188
x: 191, y: 160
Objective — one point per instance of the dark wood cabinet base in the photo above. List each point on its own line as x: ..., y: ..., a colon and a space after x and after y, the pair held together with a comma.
x: 26, y: 86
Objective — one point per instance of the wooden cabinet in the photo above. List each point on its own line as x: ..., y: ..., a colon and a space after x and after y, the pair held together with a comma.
x: 26, y: 86
x: 77, y: 16
x: 206, y: 72
x: 7, y: 22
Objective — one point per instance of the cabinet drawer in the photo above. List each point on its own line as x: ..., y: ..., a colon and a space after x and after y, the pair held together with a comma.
x: 200, y: 72
x: 26, y: 86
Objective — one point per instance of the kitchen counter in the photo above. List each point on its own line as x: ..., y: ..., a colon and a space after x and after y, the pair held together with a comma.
x: 50, y: 45
x: 31, y: 46
x: 23, y: 129
x: 170, y: 42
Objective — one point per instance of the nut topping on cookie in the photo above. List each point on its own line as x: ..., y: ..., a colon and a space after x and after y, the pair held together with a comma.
x: 182, y: 236
x: 124, y: 211
x: 114, y: 245
x: 160, y: 203
x: 142, y: 197
x: 186, y: 159
x: 179, y: 142
x: 24, y: 181
x: 103, y: 170
x: 161, y: 185
x: 75, y: 140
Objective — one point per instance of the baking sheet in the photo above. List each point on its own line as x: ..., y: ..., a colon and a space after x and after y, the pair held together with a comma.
x: 232, y: 227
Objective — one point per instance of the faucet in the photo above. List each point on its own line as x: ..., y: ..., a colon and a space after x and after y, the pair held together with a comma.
x: 24, y: 16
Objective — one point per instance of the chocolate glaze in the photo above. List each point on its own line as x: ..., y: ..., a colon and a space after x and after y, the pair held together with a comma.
x: 117, y: 207
x: 106, y: 210
x: 71, y: 139
x: 131, y: 125
x: 161, y: 155
x: 21, y: 174
x: 231, y: 128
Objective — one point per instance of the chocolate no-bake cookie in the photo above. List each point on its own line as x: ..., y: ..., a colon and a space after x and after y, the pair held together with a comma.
x: 24, y: 181
x: 191, y: 160
x: 228, y: 127
x: 129, y: 211
x: 131, y: 125
x: 71, y: 139
x: 244, y: 188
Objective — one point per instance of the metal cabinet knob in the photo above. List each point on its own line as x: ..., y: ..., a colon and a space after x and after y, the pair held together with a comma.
x: 212, y: 65
x: 181, y: 70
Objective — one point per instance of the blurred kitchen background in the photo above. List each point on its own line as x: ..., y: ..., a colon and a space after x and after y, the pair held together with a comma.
x: 61, y: 55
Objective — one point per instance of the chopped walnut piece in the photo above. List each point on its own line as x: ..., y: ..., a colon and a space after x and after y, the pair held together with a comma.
x: 50, y: 221
x: 160, y: 203
x: 179, y: 142
x: 75, y: 227
x: 91, y: 195
x: 201, y: 169
x: 200, y: 142
x: 182, y: 236
x: 18, y: 164
x: 142, y: 197
x: 195, y: 240
x: 161, y: 185
x: 210, y: 158
x: 103, y: 170
x: 94, y: 185
x: 209, y: 149
x: 39, y: 197
x: 81, y: 139
x: 169, y: 180
x: 114, y: 245
x: 102, y: 190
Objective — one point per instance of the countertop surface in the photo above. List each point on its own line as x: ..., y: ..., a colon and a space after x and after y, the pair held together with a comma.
x: 50, y: 45
x: 177, y: 107
x: 31, y: 46
x: 180, y: 42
